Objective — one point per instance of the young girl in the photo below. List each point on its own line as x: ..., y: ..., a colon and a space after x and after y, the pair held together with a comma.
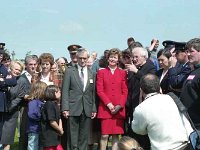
x: 51, y: 122
x: 34, y: 114
x: 128, y: 143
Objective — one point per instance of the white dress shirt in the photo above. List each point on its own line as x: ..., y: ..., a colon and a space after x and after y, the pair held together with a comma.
x: 85, y: 72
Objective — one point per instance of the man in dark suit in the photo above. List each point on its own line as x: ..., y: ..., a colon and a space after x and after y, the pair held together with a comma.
x: 30, y: 66
x: 73, y: 63
x: 78, y: 102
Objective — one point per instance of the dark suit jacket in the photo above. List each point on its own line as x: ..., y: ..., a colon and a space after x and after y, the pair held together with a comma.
x: 28, y: 87
x: 134, y: 83
x: 177, y: 76
x: 164, y: 84
x: 74, y: 99
x: 16, y: 94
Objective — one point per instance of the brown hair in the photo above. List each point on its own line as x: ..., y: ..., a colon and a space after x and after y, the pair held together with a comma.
x: 193, y: 43
x: 37, y: 90
x: 46, y: 57
x: 50, y: 92
x: 114, y: 51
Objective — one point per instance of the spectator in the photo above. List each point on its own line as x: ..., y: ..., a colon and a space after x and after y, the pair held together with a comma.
x: 51, y: 123
x: 128, y: 143
x: 6, y: 61
x: 72, y: 51
x: 6, y: 81
x: 62, y: 64
x: 34, y: 114
x: 164, y: 56
x: 159, y: 117
x: 152, y: 51
x: 179, y: 72
x: 95, y: 65
x: 45, y: 61
x: 130, y: 41
x: 190, y: 95
x: 15, y: 96
x: 103, y: 62
x: 31, y: 64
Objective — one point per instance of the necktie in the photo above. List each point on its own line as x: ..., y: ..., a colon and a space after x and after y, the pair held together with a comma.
x: 82, y: 77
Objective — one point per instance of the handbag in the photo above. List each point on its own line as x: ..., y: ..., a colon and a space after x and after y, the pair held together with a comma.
x: 194, y: 137
x: 195, y: 140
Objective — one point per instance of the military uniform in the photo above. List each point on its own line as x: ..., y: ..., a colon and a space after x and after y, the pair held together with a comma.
x: 177, y: 75
x: 4, y: 84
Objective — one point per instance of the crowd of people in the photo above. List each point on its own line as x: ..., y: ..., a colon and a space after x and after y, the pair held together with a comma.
x: 121, y: 98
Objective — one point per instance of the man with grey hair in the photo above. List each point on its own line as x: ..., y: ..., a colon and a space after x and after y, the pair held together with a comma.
x: 78, y: 101
x: 31, y: 63
x: 140, y: 66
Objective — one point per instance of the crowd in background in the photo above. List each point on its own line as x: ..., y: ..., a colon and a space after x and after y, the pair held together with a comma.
x: 84, y: 103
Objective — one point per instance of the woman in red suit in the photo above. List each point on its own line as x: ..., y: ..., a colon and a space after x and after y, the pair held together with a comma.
x: 112, y: 91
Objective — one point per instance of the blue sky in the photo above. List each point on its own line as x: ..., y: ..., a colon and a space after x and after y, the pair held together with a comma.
x: 50, y: 26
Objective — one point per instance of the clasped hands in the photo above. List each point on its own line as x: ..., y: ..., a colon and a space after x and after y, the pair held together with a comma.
x: 66, y: 114
x: 113, y: 109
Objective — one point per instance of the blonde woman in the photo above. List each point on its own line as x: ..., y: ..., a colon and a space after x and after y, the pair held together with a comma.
x: 15, y: 97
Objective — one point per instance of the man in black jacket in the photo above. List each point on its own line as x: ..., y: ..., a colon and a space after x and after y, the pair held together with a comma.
x: 190, y: 95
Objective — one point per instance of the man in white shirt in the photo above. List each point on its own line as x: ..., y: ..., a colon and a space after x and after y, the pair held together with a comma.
x: 31, y: 63
x: 159, y: 117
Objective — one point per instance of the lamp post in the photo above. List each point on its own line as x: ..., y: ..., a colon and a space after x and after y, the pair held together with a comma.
x: 13, y: 55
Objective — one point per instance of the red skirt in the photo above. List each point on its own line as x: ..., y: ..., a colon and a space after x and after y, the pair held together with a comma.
x: 112, y: 126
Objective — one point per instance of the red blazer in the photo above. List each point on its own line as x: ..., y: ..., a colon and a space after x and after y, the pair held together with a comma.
x: 111, y: 88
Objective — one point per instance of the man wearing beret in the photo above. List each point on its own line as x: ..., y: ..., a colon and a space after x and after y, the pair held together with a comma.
x: 190, y: 95
x: 72, y: 51
x: 180, y: 68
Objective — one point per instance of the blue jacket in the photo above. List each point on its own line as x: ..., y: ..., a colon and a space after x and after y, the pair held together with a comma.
x: 4, y: 84
x: 177, y: 76
x: 34, y: 115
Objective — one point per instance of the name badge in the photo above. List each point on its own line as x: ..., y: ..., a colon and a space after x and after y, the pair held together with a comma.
x: 190, y: 77
x: 91, y: 80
